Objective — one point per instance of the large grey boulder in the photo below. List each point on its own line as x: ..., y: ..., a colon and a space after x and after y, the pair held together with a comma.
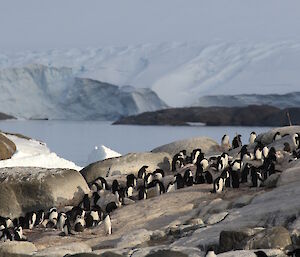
x: 235, y: 239
x: 275, y: 237
x: 288, y: 176
x: 126, y: 164
x: 259, y: 238
x: 25, y: 189
x: 267, y: 138
x: 206, y: 144
x: 134, y: 238
x: 17, y: 249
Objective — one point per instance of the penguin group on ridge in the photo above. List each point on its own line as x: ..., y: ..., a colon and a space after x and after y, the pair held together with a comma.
x: 221, y: 171
x: 252, y: 165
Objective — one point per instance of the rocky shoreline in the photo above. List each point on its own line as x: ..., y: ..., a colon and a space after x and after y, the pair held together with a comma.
x: 253, y: 115
x: 184, y: 222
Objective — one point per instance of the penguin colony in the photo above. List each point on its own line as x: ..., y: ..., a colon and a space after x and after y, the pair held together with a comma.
x: 221, y: 171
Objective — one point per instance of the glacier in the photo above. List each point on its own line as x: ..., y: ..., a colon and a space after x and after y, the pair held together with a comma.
x: 180, y: 72
x: 37, y: 91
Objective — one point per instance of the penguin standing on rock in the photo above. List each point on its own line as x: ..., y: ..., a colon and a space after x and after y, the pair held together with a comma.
x: 30, y: 219
x: 79, y: 224
x: 5, y: 235
x: 142, y: 195
x: 40, y: 216
x: 256, y: 177
x: 107, y: 225
x: 235, y: 178
x: 252, y: 137
x: 225, y: 141
x: 179, y: 181
x: 188, y: 177
x: 18, y: 231
x: 67, y: 228
x: 171, y: 187
x: 62, y: 217
x: 296, y: 140
x: 131, y: 180
x: 142, y: 172
x: 277, y: 136
x: 177, y: 162
x: 245, y: 173
x: 159, y: 174
x: 53, y: 215
x: 199, y: 178
x: 236, y: 142
x: 115, y: 186
x: 258, y: 151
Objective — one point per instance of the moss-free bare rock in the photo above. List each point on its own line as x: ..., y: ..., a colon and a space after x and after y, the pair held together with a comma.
x: 62, y: 250
x: 7, y: 147
x: 17, y: 249
x: 126, y: 164
x: 272, y: 238
x: 235, y: 239
x: 289, y: 176
x: 206, y: 144
x: 25, y: 189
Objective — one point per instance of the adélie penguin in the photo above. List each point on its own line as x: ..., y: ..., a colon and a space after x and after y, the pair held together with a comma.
x: 107, y: 225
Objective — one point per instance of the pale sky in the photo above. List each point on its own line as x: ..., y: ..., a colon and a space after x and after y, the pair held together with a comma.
x: 43, y: 24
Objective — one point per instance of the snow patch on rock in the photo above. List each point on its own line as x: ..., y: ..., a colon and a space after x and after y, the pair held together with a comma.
x: 33, y: 153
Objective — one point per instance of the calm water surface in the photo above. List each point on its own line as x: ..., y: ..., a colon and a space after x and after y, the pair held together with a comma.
x: 74, y: 140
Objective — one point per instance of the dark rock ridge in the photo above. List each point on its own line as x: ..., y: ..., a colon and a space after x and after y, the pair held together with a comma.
x: 282, y: 101
x: 253, y: 115
x: 4, y: 116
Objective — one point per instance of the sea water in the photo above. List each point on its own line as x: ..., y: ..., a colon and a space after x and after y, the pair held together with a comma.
x: 75, y: 140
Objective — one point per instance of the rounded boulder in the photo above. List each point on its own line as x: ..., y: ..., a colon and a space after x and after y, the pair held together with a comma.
x: 25, y: 189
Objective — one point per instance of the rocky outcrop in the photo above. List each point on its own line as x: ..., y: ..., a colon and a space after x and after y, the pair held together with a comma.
x: 63, y: 250
x: 17, y: 249
x: 26, y: 189
x: 259, y: 238
x: 7, y: 147
x: 4, y: 116
x: 280, y: 100
x: 267, y: 138
x: 126, y: 164
x: 254, y: 115
x: 206, y: 144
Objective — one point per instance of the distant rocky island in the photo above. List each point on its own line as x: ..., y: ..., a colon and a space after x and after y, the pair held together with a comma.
x: 279, y: 100
x: 253, y: 115
x: 4, y: 116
